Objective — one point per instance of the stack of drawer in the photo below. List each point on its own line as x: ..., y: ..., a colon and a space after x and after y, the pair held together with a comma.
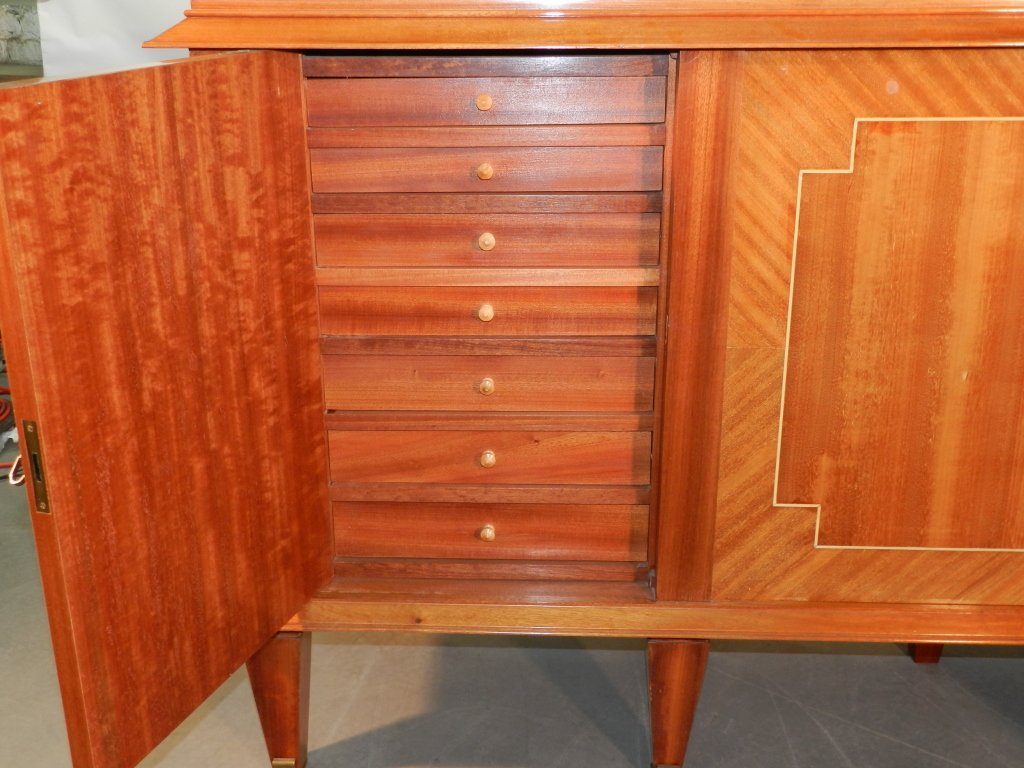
x: 488, y: 234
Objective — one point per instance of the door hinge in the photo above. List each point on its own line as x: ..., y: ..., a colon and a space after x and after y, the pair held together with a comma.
x: 34, y: 466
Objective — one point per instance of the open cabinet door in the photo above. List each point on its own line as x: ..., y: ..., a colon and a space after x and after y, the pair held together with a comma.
x: 158, y: 312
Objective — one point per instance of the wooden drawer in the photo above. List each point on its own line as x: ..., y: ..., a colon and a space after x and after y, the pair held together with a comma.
x: 526, y: 458
x: 468, y: 240
x: 507, y: 169
x: 516, y: 311
x: 445, y: 101
x: 441, y: 311
x: 488, y: 383
x: 610, y: 532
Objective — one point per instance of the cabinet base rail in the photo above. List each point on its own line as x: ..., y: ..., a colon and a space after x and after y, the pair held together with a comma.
x: 521, y: 610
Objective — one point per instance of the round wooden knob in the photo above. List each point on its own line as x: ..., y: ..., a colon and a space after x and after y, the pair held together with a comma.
x: 487, y: 533
x: 486, y: 386
x: 484, y: 102
x: 484, y: 171
x: 485, y: 313
x: 488, y: 459
x: 487, y: 241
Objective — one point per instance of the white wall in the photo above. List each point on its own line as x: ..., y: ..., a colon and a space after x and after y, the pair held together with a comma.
x: 88, y: 36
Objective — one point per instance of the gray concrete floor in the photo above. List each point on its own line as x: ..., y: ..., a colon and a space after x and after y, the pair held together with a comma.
x: 390, y: 701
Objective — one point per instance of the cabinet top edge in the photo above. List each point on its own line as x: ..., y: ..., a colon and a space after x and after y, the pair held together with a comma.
x: 595, y: 24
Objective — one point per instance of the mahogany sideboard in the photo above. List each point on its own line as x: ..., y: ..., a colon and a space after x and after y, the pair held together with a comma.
x: 638, y: 318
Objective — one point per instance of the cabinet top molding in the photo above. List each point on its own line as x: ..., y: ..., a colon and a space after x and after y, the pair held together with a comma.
x: 602, y: 24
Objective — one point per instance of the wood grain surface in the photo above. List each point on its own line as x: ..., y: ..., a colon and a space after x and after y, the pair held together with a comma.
x: 515, y: 169
x: 411, y: 202
x: 580, y: 609
x: 215, y: 311
x: 695, y: 303
x: 795, y: 111
x: 675, y: 674
x: 389, y: 271
x: 440, y: 311
x: 484, y: 65
x: 521, y: 531
x: 279, y: 674
x: 548, y: 100
x: 618, y: 135
x: 610, y: 346
x: 164, y: 339
x: 384, y: 278
x: 611, y: 574
x: 517, y: 383
x: 451, y: 493
x: 911, y: 438
x: 589, y: 24
x: 425, y: 240
x: 530, y: 458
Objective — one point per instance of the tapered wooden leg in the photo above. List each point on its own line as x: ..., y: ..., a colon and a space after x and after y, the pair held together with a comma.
x: 279, y: 674
x: 675, y: 671
x: 926, y: 653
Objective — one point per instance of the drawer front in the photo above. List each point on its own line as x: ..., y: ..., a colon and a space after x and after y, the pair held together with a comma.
x: 462, y: 240
x: 442, y: 311
x: 483, y: 457
x: 611, y: 532
x: 485, y: 101
x: 488, y: 383
x: 487, y: 169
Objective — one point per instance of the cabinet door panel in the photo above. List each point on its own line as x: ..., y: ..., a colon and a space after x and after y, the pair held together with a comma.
x: 873, y: 387
x: 914, y: 441
x: 158, y: 310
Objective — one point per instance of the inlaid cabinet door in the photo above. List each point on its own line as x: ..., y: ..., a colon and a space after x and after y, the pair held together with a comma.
x: 872, y: 443
x: 158, y: 314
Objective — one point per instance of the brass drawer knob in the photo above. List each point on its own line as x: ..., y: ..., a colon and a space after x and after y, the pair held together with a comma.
x: 488, y: 459
x: 486, y: 313
x: 487, y: 533
x: 487, y: 241
x: 484, y: 171
x: 486, y: 386
x: 484, y: 102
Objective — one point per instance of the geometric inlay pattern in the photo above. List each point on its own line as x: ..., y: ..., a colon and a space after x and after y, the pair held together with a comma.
x: 902, y: 418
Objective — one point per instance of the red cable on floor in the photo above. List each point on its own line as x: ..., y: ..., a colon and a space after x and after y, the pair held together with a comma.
x: 5, y: 411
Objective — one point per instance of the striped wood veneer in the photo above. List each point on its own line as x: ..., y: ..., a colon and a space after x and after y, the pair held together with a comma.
x: 792, y: 112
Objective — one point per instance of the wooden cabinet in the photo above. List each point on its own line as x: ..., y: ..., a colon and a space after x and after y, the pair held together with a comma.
x: 681, y: 342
